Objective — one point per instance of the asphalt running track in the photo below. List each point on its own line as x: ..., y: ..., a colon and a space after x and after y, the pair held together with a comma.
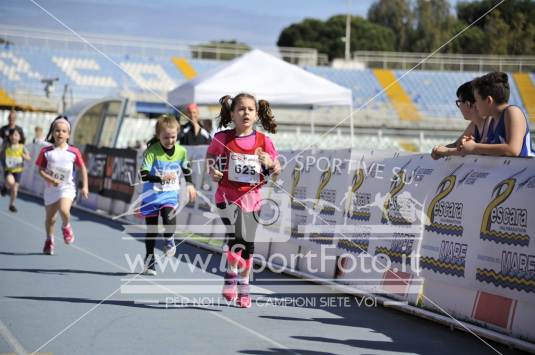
x: 76, y: 302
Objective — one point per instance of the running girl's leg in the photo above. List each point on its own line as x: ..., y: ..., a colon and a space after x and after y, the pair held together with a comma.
x: 169, y: 222
x: 12, y: 185
x: 150, y: 242
x: 65, y: 204
x: 245, y: 234
x: 14, y: 193
x: 50, y: 223
x: 228, y: 217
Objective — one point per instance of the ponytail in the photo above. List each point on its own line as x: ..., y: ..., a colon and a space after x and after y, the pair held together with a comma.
x: 227, y: 104
x: 266, y: 116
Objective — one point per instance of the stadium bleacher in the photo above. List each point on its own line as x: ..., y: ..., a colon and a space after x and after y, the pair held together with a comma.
x: 361, y: 82
x: 91, y: 75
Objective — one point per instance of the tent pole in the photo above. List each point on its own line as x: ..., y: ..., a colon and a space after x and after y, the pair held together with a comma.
x: 312, y: 126
x: 351, y: 126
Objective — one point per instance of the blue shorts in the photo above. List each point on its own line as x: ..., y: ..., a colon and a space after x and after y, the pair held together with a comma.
x: 151, y: 205
x: 16, y: 176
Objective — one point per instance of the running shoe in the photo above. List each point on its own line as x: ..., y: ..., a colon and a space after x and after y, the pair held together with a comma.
x: 229, y: 288
x: 68, y: 236
x: 12, y: 208
x: 150, y: 266
x: 244, y: 300
x: 3, y: 191
x: 48, y: 249
x: 169, y: 247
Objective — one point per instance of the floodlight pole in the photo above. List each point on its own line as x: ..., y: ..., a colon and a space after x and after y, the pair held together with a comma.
x: 348, y: 31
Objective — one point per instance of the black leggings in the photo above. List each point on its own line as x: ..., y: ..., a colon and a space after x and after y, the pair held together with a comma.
x: 244, y: 229
x: 169, y: 221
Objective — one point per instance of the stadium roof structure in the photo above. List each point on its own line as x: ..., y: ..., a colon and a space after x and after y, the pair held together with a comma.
x: 266, y: 77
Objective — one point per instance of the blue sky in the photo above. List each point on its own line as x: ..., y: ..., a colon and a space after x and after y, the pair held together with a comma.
x: 255, y: 22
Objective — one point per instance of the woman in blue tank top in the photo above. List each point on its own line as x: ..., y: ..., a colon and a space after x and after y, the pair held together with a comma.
x: 508, y: 134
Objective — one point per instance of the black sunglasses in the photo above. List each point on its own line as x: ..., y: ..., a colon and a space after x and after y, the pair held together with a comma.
x: 459, y: 102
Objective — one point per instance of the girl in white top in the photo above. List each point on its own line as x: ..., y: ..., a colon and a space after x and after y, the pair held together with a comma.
x: 56, y: 165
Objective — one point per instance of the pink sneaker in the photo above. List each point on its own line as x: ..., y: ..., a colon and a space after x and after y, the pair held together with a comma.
x: 48, y: 249
x: 68, y: 236
x: 229, y: 289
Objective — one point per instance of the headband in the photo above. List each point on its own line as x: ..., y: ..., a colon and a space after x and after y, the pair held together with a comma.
x: 62, y: 120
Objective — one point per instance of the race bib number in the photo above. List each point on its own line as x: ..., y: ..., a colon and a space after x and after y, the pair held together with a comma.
x: 61, y: 174
x: 13, y: 162
x: 170, y: 181
x: 244, y: 168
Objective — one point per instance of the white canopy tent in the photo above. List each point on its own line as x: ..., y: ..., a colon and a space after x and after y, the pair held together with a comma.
x: 266, y: 77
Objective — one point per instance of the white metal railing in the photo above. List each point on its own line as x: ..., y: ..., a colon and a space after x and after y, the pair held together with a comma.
x: 51, y: 39
x: 445, y: 61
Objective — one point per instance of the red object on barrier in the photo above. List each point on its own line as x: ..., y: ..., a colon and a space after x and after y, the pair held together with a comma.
x: 494, y: 309
x: 397, y: 282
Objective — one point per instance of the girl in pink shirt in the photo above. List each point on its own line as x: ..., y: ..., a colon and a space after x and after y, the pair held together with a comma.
x: 239, y: 159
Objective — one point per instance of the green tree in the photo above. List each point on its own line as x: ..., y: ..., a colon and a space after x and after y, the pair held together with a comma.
x: 424, y: 26
x: 497, y: 33
x: 434, y: 25
x: 522, y: 36
x: 371, y: 37
x: 304, y: 34
x: 327, y: 37
x: 515, y: 17
x: 470, y: 41
x: 471, y: 11
x: 396, y: 15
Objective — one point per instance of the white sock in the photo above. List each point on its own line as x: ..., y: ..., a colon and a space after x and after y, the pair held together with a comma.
x: 233, y: 269
x: 244, y: 280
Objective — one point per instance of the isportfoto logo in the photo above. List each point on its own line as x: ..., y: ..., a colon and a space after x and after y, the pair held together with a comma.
x: 371, y: 268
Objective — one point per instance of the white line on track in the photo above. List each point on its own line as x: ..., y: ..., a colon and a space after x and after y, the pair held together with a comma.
x: 11, y: 340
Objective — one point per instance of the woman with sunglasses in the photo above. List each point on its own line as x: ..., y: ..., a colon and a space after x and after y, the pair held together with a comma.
x: 477, y: 129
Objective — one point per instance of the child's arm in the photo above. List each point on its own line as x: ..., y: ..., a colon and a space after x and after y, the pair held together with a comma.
x: 441, y: 151
x: 269, y: 158
x: 146, y: 168
x: 80, y: 164
x: 26, y: 155
x: 265, y: 159
x: 147, y: 177
x: 49, y: 178
x: 85, y: 187
x: 188, y: 173
x: 515, y: 128
x: 273, y: 165
x: 276, y: 169
x: 214, y: 173
x: 3, y: 158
